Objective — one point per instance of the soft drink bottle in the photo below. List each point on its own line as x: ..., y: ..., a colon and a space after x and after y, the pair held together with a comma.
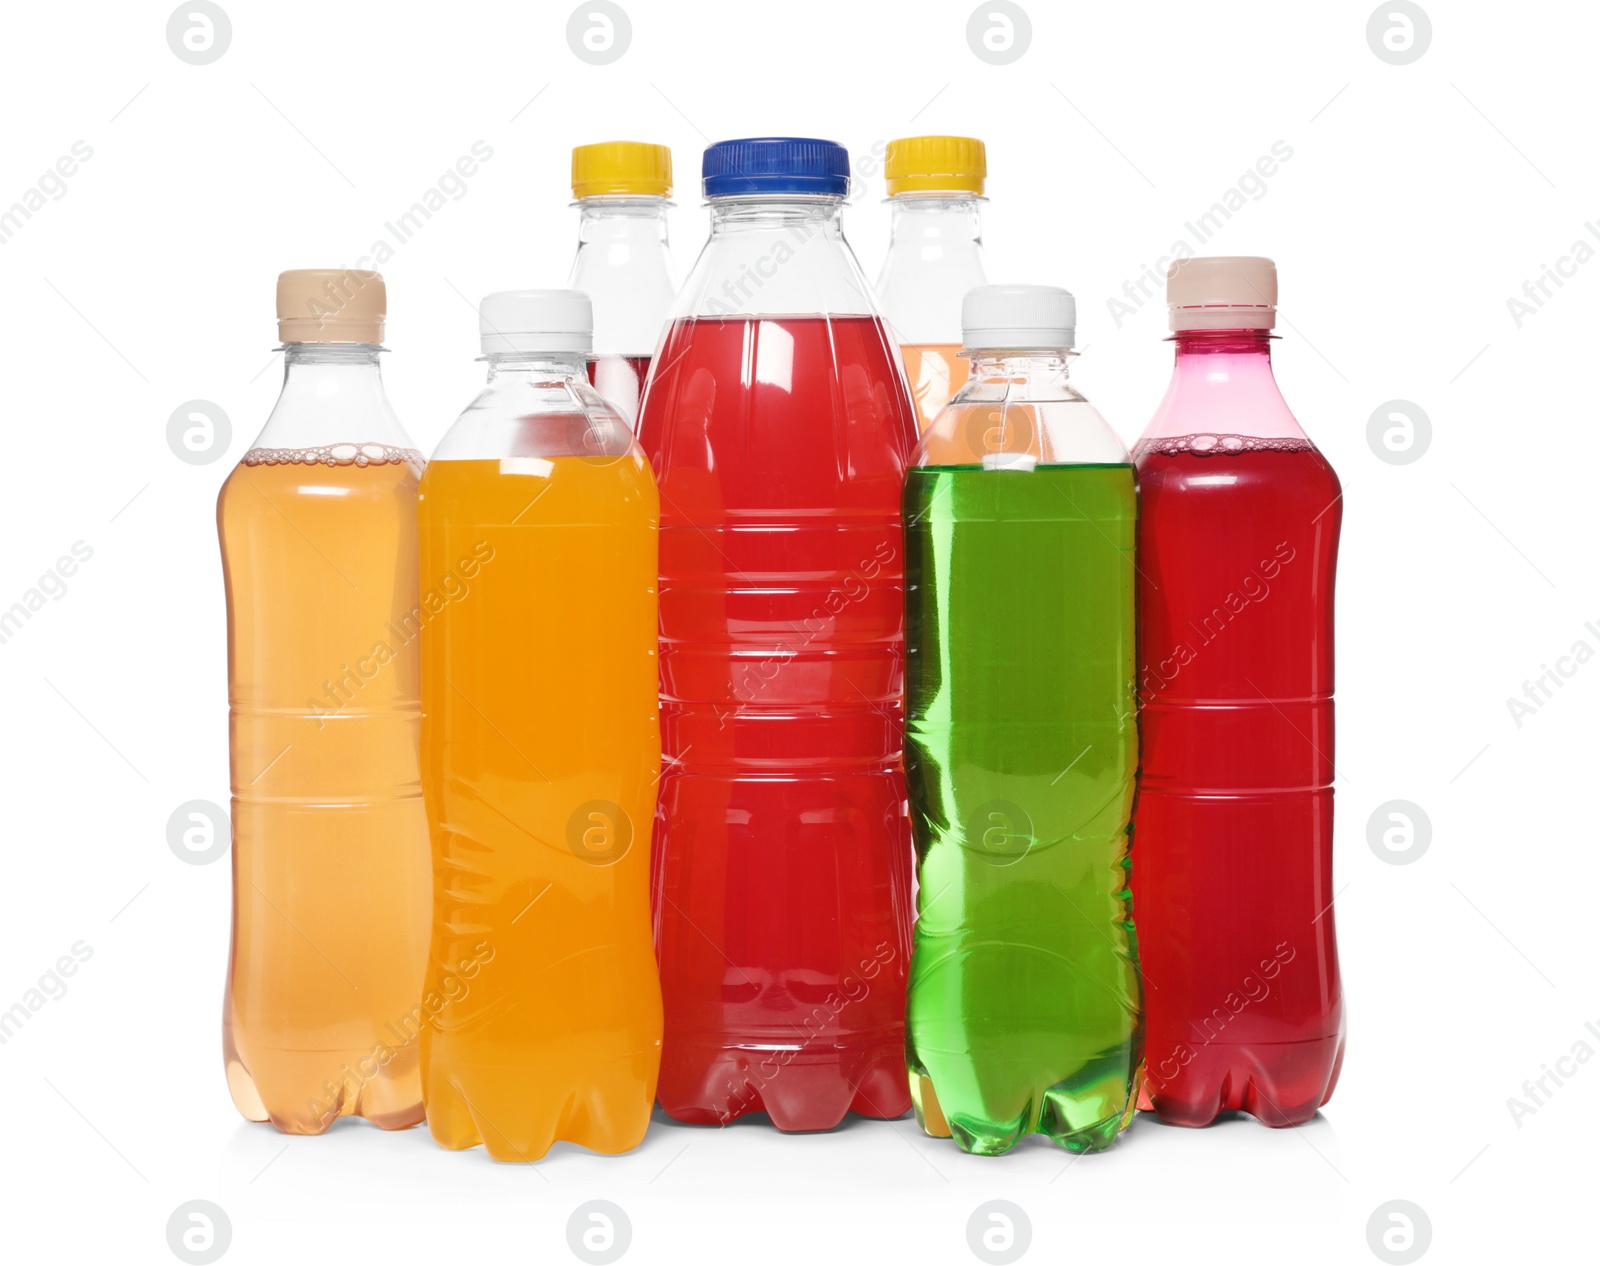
x: 1021, y: 745
x: 779, y: 427
x: 540, y: 751
x: 330, y: 855
x: 1238, y: 533
x: 935, y: 186
x: 622, y: 190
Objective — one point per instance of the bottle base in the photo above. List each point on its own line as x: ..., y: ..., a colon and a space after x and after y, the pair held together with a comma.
x: 1279, y: 1084
x: 800, y: 1092
x: 1060, y: 1119
x: 393, y: 1106
x: 606, y: 1115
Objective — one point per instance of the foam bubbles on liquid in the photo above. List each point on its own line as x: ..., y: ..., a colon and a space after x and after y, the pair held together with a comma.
x: 1208, y: 445
x: 334, y: 455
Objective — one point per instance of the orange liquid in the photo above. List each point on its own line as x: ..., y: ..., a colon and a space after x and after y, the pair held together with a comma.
x: 934, y: 372
x: 541, y: 752
x: 330, y: 860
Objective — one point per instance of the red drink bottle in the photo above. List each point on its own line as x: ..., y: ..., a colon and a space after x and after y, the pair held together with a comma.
x: 779, y: 426
x: 1233, y: 830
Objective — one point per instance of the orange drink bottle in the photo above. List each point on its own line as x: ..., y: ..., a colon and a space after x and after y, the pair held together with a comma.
x: 330, y: 853
x: 935, y: 186
x: 541, y: 751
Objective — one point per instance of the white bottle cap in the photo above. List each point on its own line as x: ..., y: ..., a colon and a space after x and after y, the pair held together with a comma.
x: 1018, y: 318
x: 533, y: 321
x: 1222, y: 292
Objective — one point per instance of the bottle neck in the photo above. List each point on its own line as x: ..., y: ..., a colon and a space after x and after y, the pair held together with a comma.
x: 353, y: 356
x: 775, y: 213
x: 1021, y: 369
x: 935, y: 257
x: 1204, y: 360
x: 1222, y: 384
x: 936, y: 221
x: 622, y: 264
x: 318, y: 372
x: 629, y: 221
x: 509, y: 368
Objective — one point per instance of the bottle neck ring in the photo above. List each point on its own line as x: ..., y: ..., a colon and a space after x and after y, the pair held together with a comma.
x: 1011, y: 362
x: 1250, y: 342
x: 333, y: 354
x: 770, y: 209
x: 542, y: 364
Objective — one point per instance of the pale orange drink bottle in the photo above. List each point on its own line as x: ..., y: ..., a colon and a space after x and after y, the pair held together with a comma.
x: 330, y: 855
x: 935, y: 186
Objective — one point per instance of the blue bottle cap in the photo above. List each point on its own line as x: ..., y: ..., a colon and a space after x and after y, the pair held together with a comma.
x: 775, y: 164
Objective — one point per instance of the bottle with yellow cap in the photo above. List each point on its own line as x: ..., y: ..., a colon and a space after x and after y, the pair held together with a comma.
x: 935, y: 186
x: 623, y: 191
x: 332, y: 884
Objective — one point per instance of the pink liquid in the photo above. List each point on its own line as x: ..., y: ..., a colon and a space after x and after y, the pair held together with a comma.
x: 782, y: 849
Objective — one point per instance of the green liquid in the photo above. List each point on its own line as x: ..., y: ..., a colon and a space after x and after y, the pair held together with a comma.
x: 1024, y: 1009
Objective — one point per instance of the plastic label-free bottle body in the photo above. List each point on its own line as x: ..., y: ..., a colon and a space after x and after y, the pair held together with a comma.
x: 540, y: 751
x: 1021, y: 750
x: 935, y: 186
x: 1238, y: 536
x: 622, y: 190
x: 330, y: 869
x: 782, y: 852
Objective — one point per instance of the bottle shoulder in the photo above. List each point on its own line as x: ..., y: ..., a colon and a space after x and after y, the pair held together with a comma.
x: 313, y: 421
x: 781, y: 268
x: 996, y: 425
x: 1223, y: 399
x: 536, y: 416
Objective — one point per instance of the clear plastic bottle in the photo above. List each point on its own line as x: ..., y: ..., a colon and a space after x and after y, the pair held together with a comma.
x: 1021, y: 745
x: 1238, y: 538
x: 540, y: 751
x: 623, y: 190
x: 331, y: 883
x: 935, y: 186
x: 779, y: 427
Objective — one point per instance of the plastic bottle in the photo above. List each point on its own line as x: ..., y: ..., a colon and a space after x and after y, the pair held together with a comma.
x: 623, y: 190
x: 330, y: 854
x: 779, y: 428
x: 1238, y: 535
x: 935, y: 186
x: 540, y: 751
x: 1021, y: 745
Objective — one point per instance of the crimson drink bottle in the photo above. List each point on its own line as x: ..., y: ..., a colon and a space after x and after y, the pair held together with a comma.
x: 779, y: 427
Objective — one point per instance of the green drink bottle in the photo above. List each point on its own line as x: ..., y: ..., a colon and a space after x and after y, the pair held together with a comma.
x: 1024, y: 1010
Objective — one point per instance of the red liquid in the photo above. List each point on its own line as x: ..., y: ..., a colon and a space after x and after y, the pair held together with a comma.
x: 620, y: 379
x: 782, y: 849
x: 1233, y: 829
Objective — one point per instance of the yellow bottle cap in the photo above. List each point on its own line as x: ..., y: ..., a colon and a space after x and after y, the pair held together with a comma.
x: 622, y: 167
x: 935, y: 164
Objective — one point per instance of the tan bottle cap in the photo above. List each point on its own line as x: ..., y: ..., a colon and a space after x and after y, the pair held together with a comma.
x: 331, y: 305
x: 1222, y: 292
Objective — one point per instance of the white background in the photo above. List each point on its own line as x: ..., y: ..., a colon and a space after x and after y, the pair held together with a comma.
x: 1418, y: 199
